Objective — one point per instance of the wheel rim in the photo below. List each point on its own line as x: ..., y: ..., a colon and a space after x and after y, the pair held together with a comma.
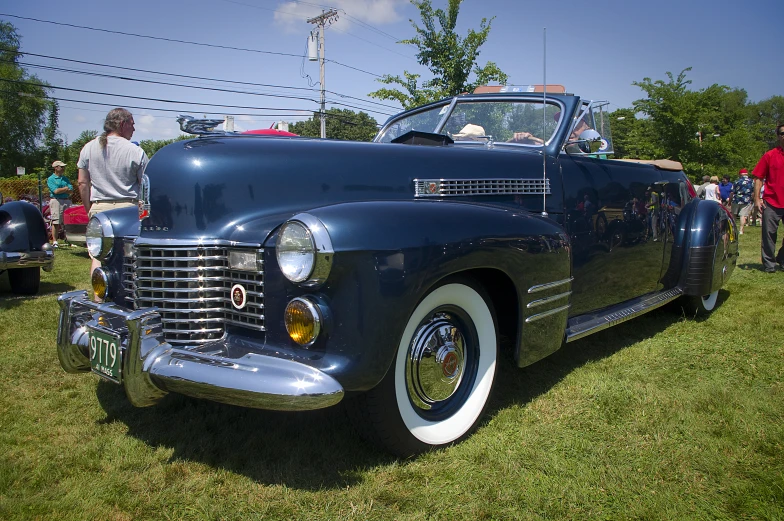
x: 439, y: 359
x: 453, y: 417
x: 709, y: 301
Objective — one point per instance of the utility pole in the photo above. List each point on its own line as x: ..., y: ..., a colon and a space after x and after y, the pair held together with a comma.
x: 322, y: 20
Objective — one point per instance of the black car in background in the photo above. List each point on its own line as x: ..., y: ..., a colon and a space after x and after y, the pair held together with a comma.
x: 24, y: 246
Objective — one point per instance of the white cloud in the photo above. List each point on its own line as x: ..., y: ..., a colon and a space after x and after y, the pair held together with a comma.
x: 80, y: 119
x: 290, y: 15
x: 152, y: 127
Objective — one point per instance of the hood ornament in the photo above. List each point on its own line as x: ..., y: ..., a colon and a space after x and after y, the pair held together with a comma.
x: 199, y: 127
x: 144, y: 198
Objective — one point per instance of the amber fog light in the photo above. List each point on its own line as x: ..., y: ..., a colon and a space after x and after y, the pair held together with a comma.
x: 303, y: 321
x: 100, y: 283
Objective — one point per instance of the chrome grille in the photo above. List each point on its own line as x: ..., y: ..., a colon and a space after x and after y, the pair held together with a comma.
x: 191, y: 287
x: 464, y: 187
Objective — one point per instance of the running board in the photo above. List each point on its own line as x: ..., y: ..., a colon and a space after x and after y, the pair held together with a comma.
x: 577, y: 329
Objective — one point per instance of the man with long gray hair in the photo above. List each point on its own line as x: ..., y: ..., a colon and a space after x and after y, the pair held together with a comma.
x: 111, y: 167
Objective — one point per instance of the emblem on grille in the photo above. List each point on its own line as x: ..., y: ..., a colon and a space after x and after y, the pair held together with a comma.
x: 238, y: 296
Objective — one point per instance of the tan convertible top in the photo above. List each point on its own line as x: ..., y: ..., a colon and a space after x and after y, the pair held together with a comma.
x: 664, y: 164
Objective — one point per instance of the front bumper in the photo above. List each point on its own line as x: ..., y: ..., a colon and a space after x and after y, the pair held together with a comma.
x: 28, y: 259
x: 151, y: 367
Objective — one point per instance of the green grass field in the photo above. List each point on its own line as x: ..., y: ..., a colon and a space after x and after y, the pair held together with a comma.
x: 662, y: 417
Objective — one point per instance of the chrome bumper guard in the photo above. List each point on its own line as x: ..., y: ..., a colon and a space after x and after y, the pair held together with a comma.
x: 30, y: 259
x: 151, y: 367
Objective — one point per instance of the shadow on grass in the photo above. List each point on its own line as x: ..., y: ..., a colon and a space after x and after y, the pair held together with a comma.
x: 319, y: 449
x: 752, y: 266
x: 521, y: 386
x: 307, y: 450
x: 10, y: 300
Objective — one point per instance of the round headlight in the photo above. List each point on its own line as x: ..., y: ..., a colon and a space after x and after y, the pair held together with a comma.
x: 99, y: 236
x: 296, y: 251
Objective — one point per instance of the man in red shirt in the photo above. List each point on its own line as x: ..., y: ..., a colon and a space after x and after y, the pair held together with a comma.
x: 770, y: 169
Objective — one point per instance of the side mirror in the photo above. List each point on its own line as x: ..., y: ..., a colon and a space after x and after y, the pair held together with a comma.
x: 590, y: 141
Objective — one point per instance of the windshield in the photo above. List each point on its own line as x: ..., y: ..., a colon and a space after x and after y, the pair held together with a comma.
x: 519, y: 122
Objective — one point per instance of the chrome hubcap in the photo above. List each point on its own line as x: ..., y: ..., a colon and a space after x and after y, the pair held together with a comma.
x: 435, y: 362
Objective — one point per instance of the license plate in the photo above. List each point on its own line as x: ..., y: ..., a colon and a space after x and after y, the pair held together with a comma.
x: 105, y: 355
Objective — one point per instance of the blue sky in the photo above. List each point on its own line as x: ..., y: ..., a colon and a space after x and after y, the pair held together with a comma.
x: 596, y: 49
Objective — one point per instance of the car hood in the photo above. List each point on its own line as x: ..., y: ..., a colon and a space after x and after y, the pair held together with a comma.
x: 241, y: 188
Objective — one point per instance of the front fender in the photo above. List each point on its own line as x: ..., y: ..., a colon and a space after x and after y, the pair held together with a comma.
x: 22, y: 227
x: 389, y: 254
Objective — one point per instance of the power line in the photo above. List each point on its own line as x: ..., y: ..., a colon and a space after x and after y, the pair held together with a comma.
x: 202, y: 78
x: 160, y: 100
x: 180, y: 110
x: 370, y: 27
x: 173, y: 40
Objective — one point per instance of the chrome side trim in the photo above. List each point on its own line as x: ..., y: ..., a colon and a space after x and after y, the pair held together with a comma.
x: 618, y: 314
x: 542, y: 287
x: 469, y: 187
x: 534, y: 318
x: 547, y: 300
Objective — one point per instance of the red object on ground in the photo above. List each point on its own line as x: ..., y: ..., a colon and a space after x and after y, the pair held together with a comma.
x: 270, y: 132
x: 75, y: 215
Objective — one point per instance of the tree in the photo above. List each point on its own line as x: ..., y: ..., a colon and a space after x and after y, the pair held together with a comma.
x: 450, y: 57
x: 341, y: 124
x: 23, y: 106
x: 151, y: 146
x: 53, y: 143
x: 706, y: 130
x: 763, y: 118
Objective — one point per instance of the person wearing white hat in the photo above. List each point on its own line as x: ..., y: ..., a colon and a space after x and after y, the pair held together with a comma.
x: 60, y: 189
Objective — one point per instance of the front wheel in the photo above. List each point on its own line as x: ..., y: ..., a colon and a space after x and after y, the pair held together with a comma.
x: 443, y: 373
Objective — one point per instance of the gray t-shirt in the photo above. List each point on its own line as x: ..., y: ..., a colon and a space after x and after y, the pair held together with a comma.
x: 115, y: 171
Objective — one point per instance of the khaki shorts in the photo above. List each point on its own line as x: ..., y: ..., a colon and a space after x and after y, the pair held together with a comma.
x: 745, y: 210
x: 102, y: 206
x: 56, y: 207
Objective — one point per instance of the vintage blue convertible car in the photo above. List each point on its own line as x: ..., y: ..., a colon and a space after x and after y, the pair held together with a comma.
x: 293, y: 273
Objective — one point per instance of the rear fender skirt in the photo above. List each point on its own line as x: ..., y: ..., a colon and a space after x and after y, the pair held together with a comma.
x: 710, y: 249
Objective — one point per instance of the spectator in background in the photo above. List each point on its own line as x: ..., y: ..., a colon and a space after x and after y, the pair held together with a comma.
x: 770, y: 171
x: 701, y: 188
x: 743, y: 192
x: 712, y: 190
x: 725, y: 191
x: 111, y: 167
x: 60, y: 189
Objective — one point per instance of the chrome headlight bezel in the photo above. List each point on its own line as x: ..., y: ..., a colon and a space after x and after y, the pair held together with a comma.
x: 315, y: 267
x: 99, y: 236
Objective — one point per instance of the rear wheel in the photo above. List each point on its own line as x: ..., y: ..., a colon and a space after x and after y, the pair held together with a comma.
x: 25, y: 281
x: 701, y: 306
x: 443, y: 373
